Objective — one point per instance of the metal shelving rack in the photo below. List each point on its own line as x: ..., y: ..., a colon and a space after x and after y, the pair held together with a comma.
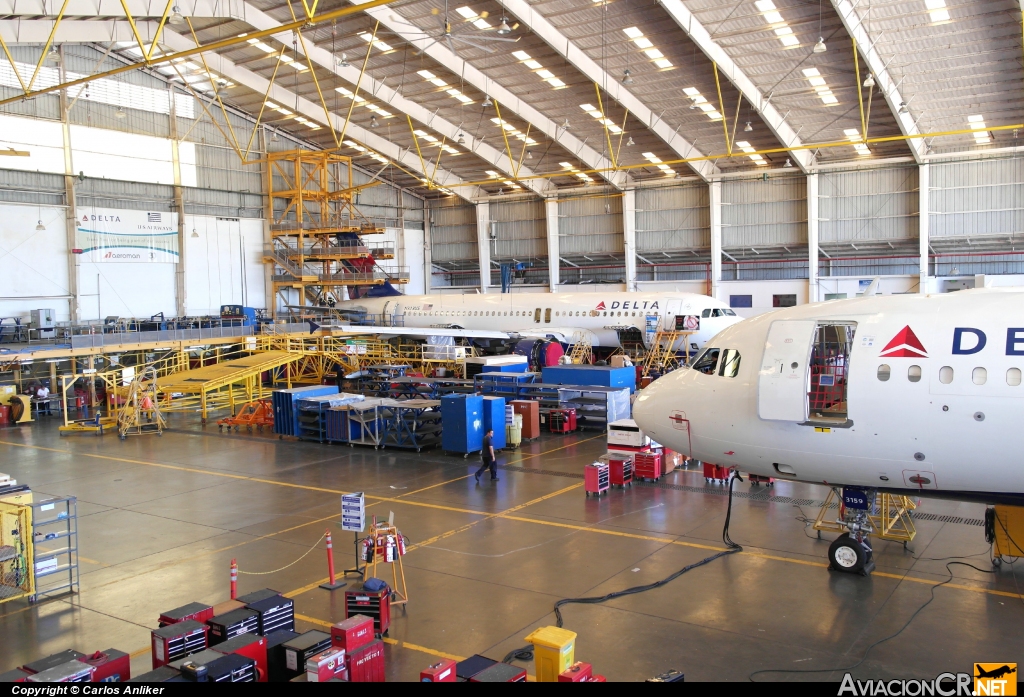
x: 55, y: 538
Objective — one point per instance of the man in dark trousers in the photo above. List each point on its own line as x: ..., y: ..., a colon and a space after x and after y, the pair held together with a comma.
x: 487, y: 455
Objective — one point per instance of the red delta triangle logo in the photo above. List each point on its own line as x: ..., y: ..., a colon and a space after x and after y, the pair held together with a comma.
x: 904, y: 345
x: 600, y: 306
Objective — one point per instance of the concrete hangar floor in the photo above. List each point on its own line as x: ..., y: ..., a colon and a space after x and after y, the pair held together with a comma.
x: 161, y: 518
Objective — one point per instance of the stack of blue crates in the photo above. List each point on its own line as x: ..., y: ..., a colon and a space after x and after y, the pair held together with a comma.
x: 462, y: 416
x: 599, y: 375
x: 494, y: 418
x: 286, y: 412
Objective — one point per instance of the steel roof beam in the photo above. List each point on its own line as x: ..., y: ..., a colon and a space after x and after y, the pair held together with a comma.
x: 886, y: 84
x: 315, y: 112
x: 508, y: 100
x: 112, y: 8
x: 711, y: 48
x: 36, y: 31
x: 540, y: 26
x: 499, y: 159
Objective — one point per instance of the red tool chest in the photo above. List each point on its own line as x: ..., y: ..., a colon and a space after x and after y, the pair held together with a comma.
x: 595, y: 478
x: 620, y: 471
x: 562, y: 420
x: 57, y: 659
x: 353, y: 633
x: 111, y: 665
x: 577, y: 672
x: 177, y: 641
x: 444, y: 671
x: 251, y: 646
x: 714, y: 473
x: 375, y: 604
x: 326, y: 666
x: 647, y: 466
x: 199, y: 612
x: 367, y: 663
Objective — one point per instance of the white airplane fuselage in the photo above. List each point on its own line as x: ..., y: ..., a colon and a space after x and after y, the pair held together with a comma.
x: 935, y: 410
x: 558, y: 314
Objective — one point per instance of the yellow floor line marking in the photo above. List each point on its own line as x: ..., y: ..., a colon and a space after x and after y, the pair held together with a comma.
x: 485, y: 516
x: 140, y: 652
x: 87, y: 560
x: 445, y: 535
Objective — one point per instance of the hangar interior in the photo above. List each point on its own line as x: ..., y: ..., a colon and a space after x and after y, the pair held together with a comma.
x: 280, y: 158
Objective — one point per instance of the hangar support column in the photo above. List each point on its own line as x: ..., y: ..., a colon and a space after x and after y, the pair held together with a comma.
x: 629, y: 234
x: 554, y: 258
x: 923, y: 209
x: 715, y: 200
x: 71, y: 214
x: 812, y: 238
x: 483, y: 243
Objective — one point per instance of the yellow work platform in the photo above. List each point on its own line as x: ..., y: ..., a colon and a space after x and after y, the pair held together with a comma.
x: 214, y: 385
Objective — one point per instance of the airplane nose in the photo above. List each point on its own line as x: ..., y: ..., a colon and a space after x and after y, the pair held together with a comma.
x: 656, y: 404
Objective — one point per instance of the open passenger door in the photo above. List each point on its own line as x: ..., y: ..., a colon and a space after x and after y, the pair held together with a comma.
x: 783, y: 380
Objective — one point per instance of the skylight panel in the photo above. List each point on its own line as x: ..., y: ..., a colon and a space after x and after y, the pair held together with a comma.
x: 821, y: 88
x: 976, y: 123
x: 647, y: 46
x: 853, y: 135
x: 700, y: 102
x: 937, y: 10
x: 777, y: 23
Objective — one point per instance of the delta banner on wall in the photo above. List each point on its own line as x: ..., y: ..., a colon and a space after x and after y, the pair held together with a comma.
x: 112, y: 235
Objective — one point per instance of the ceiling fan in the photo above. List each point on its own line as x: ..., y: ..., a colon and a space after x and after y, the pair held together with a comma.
x: 451, y: 34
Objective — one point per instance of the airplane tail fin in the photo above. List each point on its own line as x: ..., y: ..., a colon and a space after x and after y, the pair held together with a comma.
x: 382, y: 291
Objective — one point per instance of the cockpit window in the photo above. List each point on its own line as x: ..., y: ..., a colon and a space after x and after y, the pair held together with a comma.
x: 730, y: 363
x: 707, y: 361
x: 706, y: 313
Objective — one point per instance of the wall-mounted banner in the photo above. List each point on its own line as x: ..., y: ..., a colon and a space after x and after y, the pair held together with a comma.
x: 111, y: 235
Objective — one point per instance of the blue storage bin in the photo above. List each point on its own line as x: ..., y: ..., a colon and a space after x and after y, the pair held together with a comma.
x: 506, y: 368
x: 462, y: 417
x: 599, y: 375
x: 494, y: 416
x: 286, y: 413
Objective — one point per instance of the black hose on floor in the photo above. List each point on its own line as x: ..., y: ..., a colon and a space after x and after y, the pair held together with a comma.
x: 526, y: 652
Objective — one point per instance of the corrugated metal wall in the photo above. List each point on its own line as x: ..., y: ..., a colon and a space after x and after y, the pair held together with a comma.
x: 673, y: 218
x: 877, y: 204
x: 32, y: 187
x: 764, y: 213
x: 219, y: 168
x: 107, y: 193
x: 985, y: 197
x: 591, y: 225
x: 521, y: 230
x: 452, y: 232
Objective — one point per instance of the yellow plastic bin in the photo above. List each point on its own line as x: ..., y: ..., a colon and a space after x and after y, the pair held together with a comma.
x: 554, y: 651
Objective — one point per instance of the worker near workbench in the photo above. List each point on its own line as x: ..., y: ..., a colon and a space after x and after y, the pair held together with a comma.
x: 487, y: 455
x: 43, y: 396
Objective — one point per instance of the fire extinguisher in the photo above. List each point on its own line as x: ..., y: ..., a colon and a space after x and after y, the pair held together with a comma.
x: 401, y: 545
x: 368, y: 550
x: 389, y: 549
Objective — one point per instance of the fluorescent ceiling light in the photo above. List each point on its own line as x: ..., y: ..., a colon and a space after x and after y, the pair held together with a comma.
x: 937, y: 10
x: 813, y: 76
x: 521, y: 55
x: 466, y: 12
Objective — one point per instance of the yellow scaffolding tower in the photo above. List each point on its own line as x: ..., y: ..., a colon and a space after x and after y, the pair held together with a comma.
x: 661, y: 356
x: 313, y: 217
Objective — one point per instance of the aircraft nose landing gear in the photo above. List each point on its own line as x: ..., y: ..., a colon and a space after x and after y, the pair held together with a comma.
x: 851, y: 552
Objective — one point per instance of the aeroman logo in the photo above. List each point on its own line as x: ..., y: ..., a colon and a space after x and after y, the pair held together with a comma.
x: 122, y: 255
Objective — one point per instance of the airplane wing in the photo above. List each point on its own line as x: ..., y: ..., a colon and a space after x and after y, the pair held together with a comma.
x: 562, y: 334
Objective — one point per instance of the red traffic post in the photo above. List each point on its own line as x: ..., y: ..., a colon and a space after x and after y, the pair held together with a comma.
x: 331, y: 584
x: 234, y: 579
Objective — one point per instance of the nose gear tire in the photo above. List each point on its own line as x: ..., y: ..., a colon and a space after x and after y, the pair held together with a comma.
x: 849, y: 556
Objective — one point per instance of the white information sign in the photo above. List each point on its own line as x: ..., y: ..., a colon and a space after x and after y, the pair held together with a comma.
x: 113, y: 235
x: 353, y: 512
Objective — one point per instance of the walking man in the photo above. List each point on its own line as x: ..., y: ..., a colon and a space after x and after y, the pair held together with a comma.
x: 487, y: 455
